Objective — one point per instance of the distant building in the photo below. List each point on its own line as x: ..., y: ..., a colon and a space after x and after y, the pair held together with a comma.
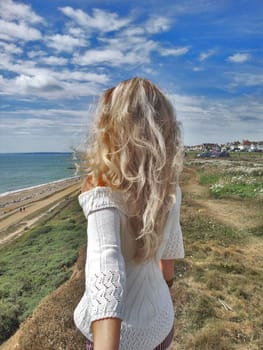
x: 234, y: 146
x: 245, y: 146
x: 246, y: 143
x: 211, y: 146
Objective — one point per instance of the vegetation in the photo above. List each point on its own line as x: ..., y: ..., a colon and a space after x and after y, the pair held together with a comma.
x: 218, y: 297
x: 232, y: 178
x: 37, y: 264
x: 218, y: 294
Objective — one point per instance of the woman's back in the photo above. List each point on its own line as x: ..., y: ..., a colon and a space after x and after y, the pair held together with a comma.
x: 148, y: 314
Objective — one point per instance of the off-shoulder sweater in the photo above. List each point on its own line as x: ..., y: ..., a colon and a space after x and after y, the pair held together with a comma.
x: 115, y: 285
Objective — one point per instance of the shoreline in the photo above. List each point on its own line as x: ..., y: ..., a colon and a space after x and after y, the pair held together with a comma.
x: 20, y: 210
x: 40, y: 185
x: 11, y: 200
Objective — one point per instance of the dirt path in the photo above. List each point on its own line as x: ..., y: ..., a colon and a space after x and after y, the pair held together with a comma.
x: 31, y: 215
x: 237, y: 214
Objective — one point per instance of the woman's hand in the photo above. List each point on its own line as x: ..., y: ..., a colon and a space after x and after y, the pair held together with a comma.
x: 106, y: 334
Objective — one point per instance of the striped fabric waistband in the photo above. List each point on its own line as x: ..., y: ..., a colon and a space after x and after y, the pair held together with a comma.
x: 164, y: 344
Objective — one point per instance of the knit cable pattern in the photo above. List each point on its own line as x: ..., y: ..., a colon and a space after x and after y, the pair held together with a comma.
x: 106, y: 294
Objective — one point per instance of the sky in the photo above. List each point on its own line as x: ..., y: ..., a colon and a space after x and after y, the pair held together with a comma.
x: 58, y: 56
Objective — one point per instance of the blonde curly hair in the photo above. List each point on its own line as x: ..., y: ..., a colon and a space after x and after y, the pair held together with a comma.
x: 136, y: 148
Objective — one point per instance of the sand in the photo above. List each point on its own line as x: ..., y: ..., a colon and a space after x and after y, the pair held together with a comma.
x: 20, y: 210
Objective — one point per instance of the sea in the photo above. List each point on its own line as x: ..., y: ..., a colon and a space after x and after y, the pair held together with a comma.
x: 23, y: 170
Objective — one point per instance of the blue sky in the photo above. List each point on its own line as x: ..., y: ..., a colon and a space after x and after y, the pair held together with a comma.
x: 57, y: 56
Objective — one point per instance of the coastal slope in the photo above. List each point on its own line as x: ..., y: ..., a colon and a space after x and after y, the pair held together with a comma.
x: 217, y: 285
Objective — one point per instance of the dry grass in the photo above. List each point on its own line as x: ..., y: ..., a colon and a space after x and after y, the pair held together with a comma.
x: 219, y: 294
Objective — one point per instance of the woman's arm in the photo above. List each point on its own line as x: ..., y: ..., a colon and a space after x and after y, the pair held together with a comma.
x: 105, y: 273
x: 167, y: 268
x: 106, y: 333
x: 106, y: 279
x: 174, y: 246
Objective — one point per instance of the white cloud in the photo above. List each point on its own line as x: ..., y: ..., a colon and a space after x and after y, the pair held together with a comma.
x: 83, y: 76
x: 49, y: 113
x: 40, y: 82
x: 76, y: 32
x: 53, y: 60
x: 132, y: 31
x: 31, y: 68
x: 174, y: 52
x: 10, y: 48
x: 197, y: 69
x: 149, y: 70
x: 194, y: 109
x: 189, y: 107
x: 107, y: 56
x: 101, y: 20
x: 7, y: 63
x: 13, y: 31
x: 37, y: 122
x: 36, y: 53
x: 204, y: 55
x: 247, y: 79
x: 17, y: 21
x: 239, y: 57
x: 48, y: 84
x: 133, y: 53
x: 217, y: 120
x: 125, y: 43
x: 10, y: 10
x: 157, y: 25
x: 32, y: 79
x: 126, y: 47
x: 118, y: 51
x: 48, y: 121
x: 66, y: 43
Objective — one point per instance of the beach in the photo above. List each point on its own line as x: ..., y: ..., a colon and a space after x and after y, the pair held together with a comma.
x: 21, y: 209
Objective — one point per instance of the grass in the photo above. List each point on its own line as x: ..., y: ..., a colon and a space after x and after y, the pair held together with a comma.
x: 201, y: 229
x: 37, y: 264
x: 218, y: 297
x: 207, y: 179
x: 225, y: 182
x: 238, y: 190
x: 219, y: 292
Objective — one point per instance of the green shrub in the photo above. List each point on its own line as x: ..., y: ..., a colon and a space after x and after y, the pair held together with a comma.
x: 8, y: 319
x: 236, y: 190
x: 207, y: 179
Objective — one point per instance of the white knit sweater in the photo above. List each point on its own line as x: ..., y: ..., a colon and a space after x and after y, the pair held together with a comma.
x: 116, y: 286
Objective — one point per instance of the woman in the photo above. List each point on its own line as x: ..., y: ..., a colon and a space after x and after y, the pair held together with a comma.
x: 131, y: 199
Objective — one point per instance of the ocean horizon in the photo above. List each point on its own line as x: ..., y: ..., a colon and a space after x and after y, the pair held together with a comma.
x: 29, y: 169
